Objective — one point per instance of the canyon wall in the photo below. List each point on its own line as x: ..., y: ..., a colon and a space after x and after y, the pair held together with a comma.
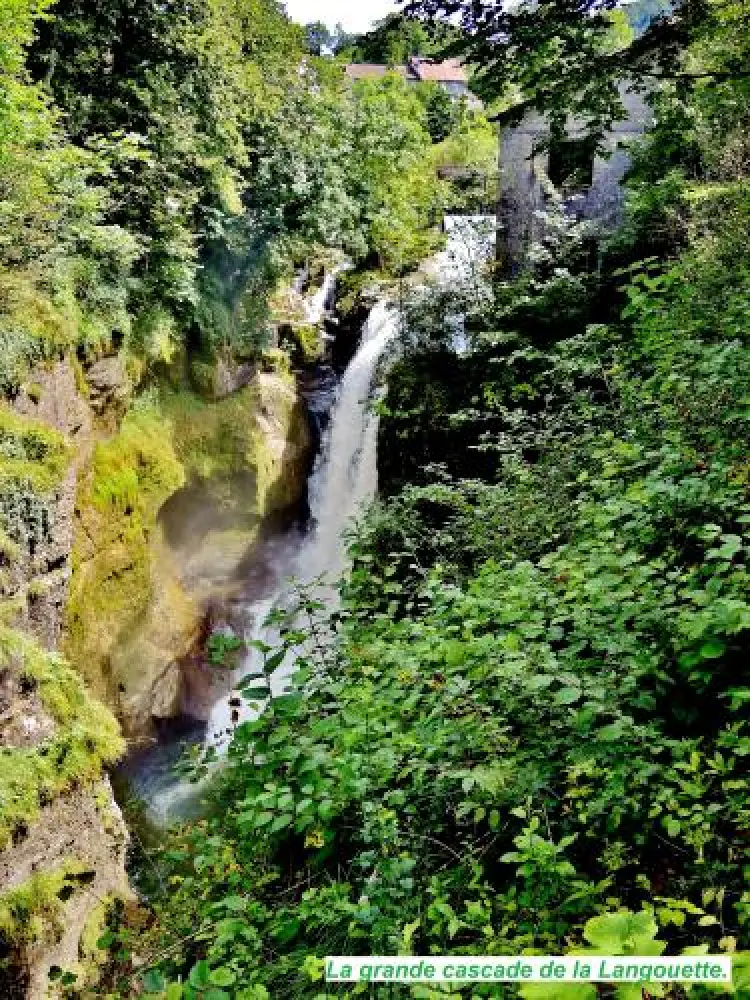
x: 122, y: 518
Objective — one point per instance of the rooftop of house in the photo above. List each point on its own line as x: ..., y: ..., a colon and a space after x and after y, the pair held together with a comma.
x: 447, y: 71
x: 417, y: 69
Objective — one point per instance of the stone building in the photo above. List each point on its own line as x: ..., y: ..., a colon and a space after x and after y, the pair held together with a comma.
x: 588, y: 181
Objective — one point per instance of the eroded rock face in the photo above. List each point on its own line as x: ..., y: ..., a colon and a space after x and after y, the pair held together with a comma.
x: 99, y: 573
x: 77, y: 829
x: 108, y: 383
x: 147, y: 660
x: 85, y: 832
x: 39, y: 576
x: 168, y: 511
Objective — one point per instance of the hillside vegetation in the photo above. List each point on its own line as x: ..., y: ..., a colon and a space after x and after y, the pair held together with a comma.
x: 531, y: 730
x: 526, y: 729
x: 165, y: 171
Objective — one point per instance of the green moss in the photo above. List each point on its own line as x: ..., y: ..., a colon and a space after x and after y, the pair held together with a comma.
x: 32, y: 327
x: 34, y: 391
x: 31, y: 453
x: 33, y: 461
x: 32, y: 912
x: 228, y: 445
x: 90, y: 955
x: 275, y: 360
x: 137, y: 469
x: 309, y: 342
x: 202, y: 376
x: 130, y: 478
x: 79, y: 375
x: 10, y: 551
x: 86, y: 736
x: 214, y: 440
x: 244, y: 457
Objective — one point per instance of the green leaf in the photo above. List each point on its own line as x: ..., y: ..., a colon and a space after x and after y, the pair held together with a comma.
x: 222, y: 976
x: 274, y: 661
x: 712, y: 649
x: 672, y: 826
x: 288, y: 930
x: 568, y: 695
x: 313, y: 967
x: 106, y: 940
x: 153, y: 981
x: 255, y: 693
x: 200, y: 974
x: 281, y: 822
x: 623, y: 933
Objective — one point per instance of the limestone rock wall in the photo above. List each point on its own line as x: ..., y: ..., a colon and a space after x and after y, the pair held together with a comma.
x: 168, y: 509
x: 62, y: 839
x: 96, y: 559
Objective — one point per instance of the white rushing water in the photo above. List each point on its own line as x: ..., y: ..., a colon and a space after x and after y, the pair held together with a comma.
x: 317, y: 305
x: 343, y: 482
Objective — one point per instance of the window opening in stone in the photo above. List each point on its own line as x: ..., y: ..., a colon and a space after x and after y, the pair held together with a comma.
x: 571, y: 164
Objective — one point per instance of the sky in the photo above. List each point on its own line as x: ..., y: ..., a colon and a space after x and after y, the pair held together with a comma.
x: 355, y: 15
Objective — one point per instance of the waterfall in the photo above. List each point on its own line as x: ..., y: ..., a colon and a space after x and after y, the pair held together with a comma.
x: 343, y: 481
x: 345, y: 476
x: 317, y: 304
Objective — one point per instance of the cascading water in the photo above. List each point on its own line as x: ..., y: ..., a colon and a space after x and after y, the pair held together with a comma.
x: 343, y: 481
x: 345, y: 477
x: 317, y: 304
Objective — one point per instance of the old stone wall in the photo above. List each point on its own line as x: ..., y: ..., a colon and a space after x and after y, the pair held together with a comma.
x: 523, y: 168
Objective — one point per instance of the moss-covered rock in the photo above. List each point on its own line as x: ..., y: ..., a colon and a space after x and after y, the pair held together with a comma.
x: 120, y: 494
x: 56, y: 884
x: 32, y: 912
x: 33, y: 461
x: 182, y: 476
x: 31, y: 452
x: 248, y: 449
x: 79, y: 736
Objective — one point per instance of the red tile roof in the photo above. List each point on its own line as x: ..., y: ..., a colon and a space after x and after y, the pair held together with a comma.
x: 448, y: 71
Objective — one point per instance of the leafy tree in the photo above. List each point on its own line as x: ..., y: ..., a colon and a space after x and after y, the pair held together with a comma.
x: 398, y: 36
x: 558, y: 57
x: 320, y: 39
x: 442, y: 112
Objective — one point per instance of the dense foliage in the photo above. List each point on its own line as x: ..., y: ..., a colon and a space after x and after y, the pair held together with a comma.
x: 562, y: 57
x: 526, y: 727
x: 536, y: 712
x: 397, y: 37
x: 164, y: 166
x: 531, y: 729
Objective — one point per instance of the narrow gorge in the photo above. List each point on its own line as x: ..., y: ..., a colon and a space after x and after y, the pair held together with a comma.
x: 374, y: 500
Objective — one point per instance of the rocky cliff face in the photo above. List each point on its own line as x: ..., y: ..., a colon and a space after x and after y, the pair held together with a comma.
x: 116, y: 529
x: 167, y: 511
x: 62, y: 839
